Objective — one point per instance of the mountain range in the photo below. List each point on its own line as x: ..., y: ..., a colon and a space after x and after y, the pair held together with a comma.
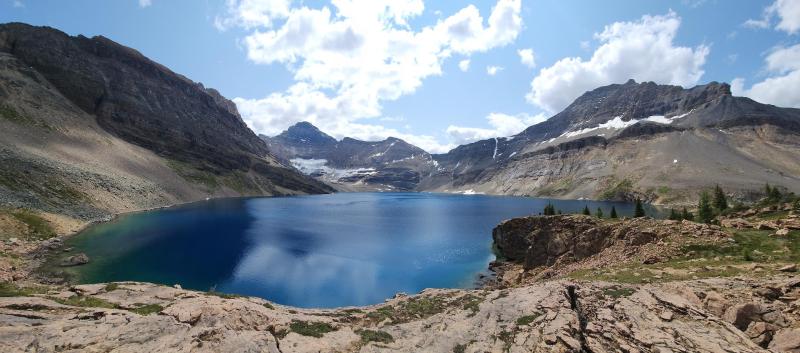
x: 90, y: 128
x: 619, y: 142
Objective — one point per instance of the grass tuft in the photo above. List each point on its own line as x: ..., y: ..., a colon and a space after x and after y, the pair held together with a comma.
x: 147, y: 309
x: 312, y: 329
x: 375, y: 336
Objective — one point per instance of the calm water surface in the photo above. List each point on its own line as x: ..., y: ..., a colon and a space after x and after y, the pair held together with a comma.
x: 310, y: 251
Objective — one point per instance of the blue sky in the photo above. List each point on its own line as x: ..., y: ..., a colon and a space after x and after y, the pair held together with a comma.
x: 395, y: 67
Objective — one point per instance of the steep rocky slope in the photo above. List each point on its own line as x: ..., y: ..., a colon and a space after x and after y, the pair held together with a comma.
x: 350, y: 164
x: 90, y: 128
x: 660, y: 143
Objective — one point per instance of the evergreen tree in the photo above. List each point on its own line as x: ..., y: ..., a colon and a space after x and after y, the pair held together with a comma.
x: 639, y: 211
x: 705, y: 214
x: 599, y: 212
x: 586, y: 211
x: 720, y: 200
x: 549, y: 210
x: 674, y: 215
x: 559, y: 212
x: 613, y: 212
x: 774, y: 194
x: 767, y: 190
x: 687, y: 215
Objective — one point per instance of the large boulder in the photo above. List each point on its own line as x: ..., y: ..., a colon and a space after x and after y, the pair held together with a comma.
x: 75, y: 260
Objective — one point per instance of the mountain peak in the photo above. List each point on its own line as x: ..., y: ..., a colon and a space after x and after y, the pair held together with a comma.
x: 306, y: 132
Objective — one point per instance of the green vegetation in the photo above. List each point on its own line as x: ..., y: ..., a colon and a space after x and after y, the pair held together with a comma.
x: 223, y: 295
x: 586, y: 211
x: 618, y: 292
x: 527, y: 319
x: 312, y: 329
x: 599, y: 212
x: 720, y: 200
x: 111, y: 287
x: 268, y: 306
x: 616, y: 190
x: 85, y: 301
x: 613, y: 212
x: 12, y: 290
x: 418, y: 308
x: 705, y: 214
x: 549, y: 210
x: 375, y: 336
x: 148, y: 309
x: 194, y: 175
x: 460, y: 348
x: 702, y: 260
x: 471, y: 303
x: 11, y: 114
x: 686, y: 214
x: 639, y: 210
x: 38, y: 227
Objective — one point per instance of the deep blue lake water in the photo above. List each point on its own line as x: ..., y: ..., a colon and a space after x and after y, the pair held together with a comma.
x: 310, y: 251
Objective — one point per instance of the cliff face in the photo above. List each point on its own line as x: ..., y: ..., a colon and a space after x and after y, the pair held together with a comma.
x: 90, y: 127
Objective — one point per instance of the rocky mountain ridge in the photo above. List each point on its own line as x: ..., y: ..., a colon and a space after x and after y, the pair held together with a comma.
x: 91, y: 128
x: 390, y: 165
x: 624, y: 141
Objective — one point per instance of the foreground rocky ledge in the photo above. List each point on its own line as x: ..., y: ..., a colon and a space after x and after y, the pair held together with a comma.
x: 713, y: 315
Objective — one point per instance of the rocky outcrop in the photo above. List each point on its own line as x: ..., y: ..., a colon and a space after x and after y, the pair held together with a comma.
x: 555, y: 241
x: 558, y: 316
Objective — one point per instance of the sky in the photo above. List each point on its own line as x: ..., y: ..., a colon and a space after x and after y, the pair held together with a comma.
x: 440, y: 73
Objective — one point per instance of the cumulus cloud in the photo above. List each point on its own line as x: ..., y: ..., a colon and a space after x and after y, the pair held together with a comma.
x: 502, y: 125
x: 145, y: 3
x: 493, y: 70
x: 643, y: 50
x: 348, y: 58
x: 780, y: 88
x: 463, y: 65
x: 787, y: 12
x: 526, y: 57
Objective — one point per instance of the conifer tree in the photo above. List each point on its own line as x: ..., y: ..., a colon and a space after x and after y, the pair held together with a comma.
x: 687, y: 215
x: 613, y: 212
x: 549, y: 210
x: 774, y: 194
x: 639, y: 211
x: 599, y: 213
x: 720, y: 200
x: 586, y: 211
x: 674, y: 215
x: 705, y: 214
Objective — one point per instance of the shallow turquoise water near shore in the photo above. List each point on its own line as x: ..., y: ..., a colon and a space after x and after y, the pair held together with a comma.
x: 310, y: 251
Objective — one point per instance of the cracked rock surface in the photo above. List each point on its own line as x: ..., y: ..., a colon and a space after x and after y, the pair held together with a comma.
x: 713, y: 315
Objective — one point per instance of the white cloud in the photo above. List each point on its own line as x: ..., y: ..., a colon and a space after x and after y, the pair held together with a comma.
x: 145, y: 3
x: 493, y: 70
x: 642, y: 50
x: 502, y: 125
x: 348, y: 58
x: 788, y: 13
x: 526, y: 57
x: 463, y: 65
x: 780, y: 88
